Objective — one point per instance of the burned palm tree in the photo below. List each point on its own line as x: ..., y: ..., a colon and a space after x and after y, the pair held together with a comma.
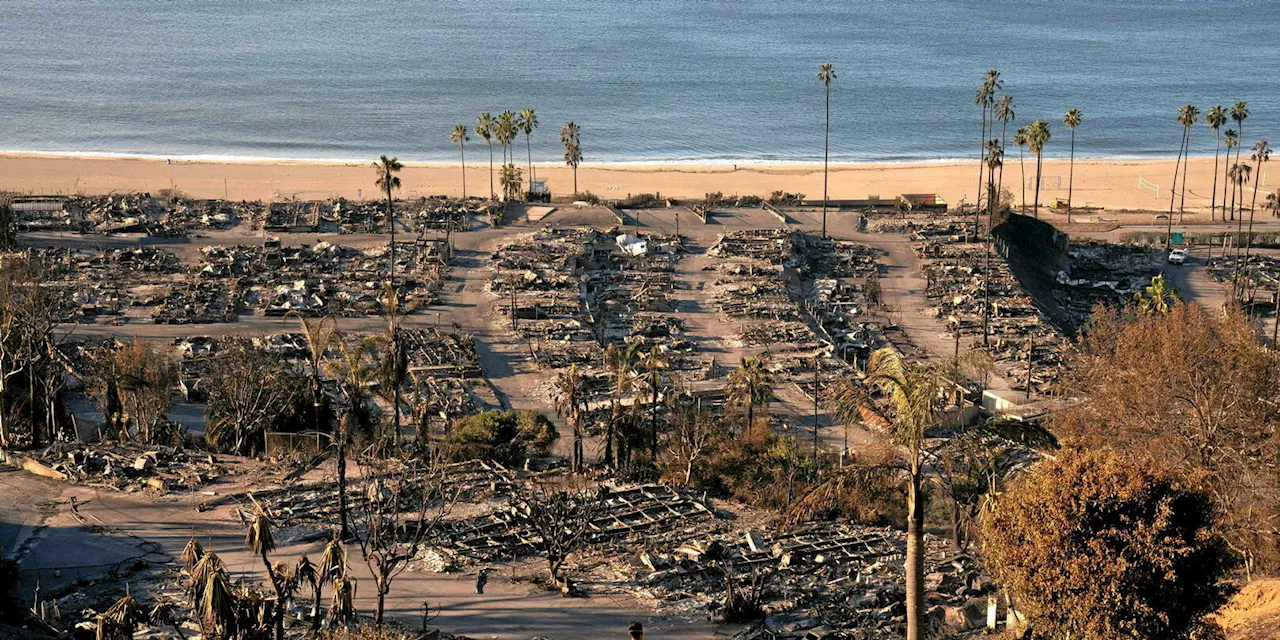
x: 571, y: 392
x: 259, y: 539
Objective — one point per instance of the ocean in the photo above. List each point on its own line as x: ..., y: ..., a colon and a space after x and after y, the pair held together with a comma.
x: 647, y: 80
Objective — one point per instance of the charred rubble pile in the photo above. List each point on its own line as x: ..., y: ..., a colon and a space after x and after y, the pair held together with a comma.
x: 1021, y: 338
x: 1256, y: 278
x: 820, y: 580
x: 321, y: 279
x: 1101, y: 273
x: 124, y: 466
x: 539, y: 279
x: 93, y: 282
x: 751, y: 289
x: 842, y: 280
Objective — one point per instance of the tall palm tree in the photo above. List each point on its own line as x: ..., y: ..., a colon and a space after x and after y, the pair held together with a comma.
x: 1004, y: 113
x: 995, y: 162
x: 656, y: 363
x: 1188, y: 118
x: 1071, y: 120
x: 1230, y: 139
x: 984, y: 98
x: 1021, y: 139
x: 527, y: 121
x: 1239, y: 113
x: 1273, y: 203
x: 571, y: 391
x: 1038, y: 135
x: 506, y: 132
x: 485, y: 129
x: 387, y: 179
x: 913, y: 392
x: 355, y: 374
x: 1239, y: 175
x: 570, y: 138
x: 826, y: 74
x: 620, y: 360
x: 459, y: 137
x: 1215, y: 117
x: 751, y: 384
x: 1261, y: 155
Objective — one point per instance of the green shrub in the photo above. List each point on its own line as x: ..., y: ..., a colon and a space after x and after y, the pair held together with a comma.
x: 782, y: 198
x: 507, y: 437
x: 641, y: 201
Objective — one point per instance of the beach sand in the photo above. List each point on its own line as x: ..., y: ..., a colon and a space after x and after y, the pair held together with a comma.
x: 1110, y: 184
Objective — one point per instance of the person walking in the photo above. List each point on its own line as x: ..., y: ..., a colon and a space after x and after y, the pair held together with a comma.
x: 482, y: 579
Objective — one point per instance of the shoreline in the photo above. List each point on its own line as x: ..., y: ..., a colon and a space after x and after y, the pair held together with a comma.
x: 1131, y: 184
x: 477, y: 148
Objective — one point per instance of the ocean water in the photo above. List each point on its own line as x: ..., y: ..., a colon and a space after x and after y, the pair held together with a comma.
x: 708, y: 80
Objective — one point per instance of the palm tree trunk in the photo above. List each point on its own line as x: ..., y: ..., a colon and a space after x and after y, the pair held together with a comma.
x: 1023, y: 164
x: 528, y: 147
x: 491, y: 170
x: 342, y: 486
x: 1004, y: 129
x: 1226, y: 182
x: 278, y: 614
x: 1173, y: 190
x: 1213, y: 194
x: 982, y: 152
x: 395, y: 329
x: 751, y: 415
x: 1035, y: 208
x: 826, y: 155
x: 464, y: 171
x: 1186, y: 155
x: 915, y: 557
x: 1071, y: 174
x: 575, y: 179
x: 315, y: 602
x: 1253, y: 203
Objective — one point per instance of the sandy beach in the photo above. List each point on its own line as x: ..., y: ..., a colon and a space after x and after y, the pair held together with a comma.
x: 1109, y: 184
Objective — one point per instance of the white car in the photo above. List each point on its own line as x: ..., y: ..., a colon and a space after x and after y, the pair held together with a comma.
x: 1178, y: 256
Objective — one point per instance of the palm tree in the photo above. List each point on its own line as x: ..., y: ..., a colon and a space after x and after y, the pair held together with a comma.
x: 984, y: 98
x: 1215, y: 117
x: 913, y: 392
x: 1071, y: 120
x: 656, y: 363
x: 308, y: 572
x: 511, y: 180
x: 506, y: 132
x: 355, y: 373
x: 1239, y: 175
x: 258, y: 538
x: 1188, y: 118
x: 527, y: 121
x: 387, y: 179
x: 1004, y: 113
x: 1230, y: 139
x: 570, y: 137
x: 571, y: 391
x: 1261, y: 155
x: 994, y: 160
x: 1239, y: 113
x: 459, y: 137
x: 1157, y: 297
x: 620, y: 361
x: 1021, y: 139
x: 1038, y: 135
x: 750, y: 384
x: 826, y: 74
x: 1185, y: 118
x: 1273, y: 203
x: 485, y: 128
